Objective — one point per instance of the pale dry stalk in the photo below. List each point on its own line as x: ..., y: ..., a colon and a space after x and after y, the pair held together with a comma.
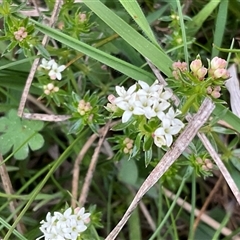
x: 76, y: 168
x: 92, y: 166
x: 168, y: 159
x: 7, y: 186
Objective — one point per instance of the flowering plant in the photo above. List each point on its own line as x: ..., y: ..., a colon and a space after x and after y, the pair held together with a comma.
x: 147, y: 114
x: 195, y: 82
x: 67, y: 225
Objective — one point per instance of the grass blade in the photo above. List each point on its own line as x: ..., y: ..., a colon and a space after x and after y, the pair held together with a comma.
x: 134, y: 10
x: 130, y: 35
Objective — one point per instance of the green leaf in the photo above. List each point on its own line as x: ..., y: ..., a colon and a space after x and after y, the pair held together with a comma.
x: 128, y: 172
x: 147, y: 144
x: 130, y: 35
x: 43, y: 51
x: 229, y: 117
x: 137, y: 145
x: 20, y: 135
x: 148, y: 156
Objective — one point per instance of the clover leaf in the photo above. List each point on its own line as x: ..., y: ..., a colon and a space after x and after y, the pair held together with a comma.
x: 19, y: 134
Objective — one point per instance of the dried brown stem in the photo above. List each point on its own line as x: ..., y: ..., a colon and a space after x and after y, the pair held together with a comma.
x: 7, y: 186
x: 92, y: 166
x: 207, y: 201
x: 76, y: 169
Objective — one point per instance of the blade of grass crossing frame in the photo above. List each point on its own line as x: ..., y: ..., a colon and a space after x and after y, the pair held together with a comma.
x: 220, y: 26
x: 184, y: 37
x: 134, y: 10
x: 118, y: 64
x: 199, y: 19
x: 130, y: 35
x: 229, y: 117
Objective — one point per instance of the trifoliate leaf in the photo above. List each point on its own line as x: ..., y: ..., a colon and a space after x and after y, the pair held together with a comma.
x: 19, y: 134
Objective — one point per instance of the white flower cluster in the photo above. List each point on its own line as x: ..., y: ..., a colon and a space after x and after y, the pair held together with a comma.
x: 54, y: 69
x: 63, y: 226
x: 150, y: 101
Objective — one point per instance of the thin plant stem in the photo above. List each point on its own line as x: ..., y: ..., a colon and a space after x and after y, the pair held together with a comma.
x: 193, y: 203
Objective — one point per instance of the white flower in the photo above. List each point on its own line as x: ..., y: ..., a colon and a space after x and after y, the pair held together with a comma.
x: 81, y: 215
x: 55, y: 72
x: 167, y: 131
x: 63, y: 218
x: 129, y: 109
x: 145, y: 103
x: 47, y: 64
x: 123, y: 94
x: 64, y: 226
x: 159, y: 140
x: 164, y: 96
x: 170, y: 115
x: 159, y: 107
x: 154, y: 90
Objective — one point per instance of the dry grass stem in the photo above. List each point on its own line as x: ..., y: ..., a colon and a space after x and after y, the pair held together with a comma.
x: 207, y: 201
x: 7, y: 186
x: 76, y: 168
x: 168, y: 159
x: 92, y: 166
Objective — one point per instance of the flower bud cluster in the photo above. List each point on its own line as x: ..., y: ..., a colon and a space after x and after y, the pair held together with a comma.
x: 84, y: 107
x: 128, y: 145
x: 150, y: 102
x: 198, y: 69
x: 216, y: 69
x: 50, y: 88
x: 54, y: 71
x: 179, y: 66
x: 63, y: 226
x: 20, y: 34
x: 206, y: 164
x: 214, y: 91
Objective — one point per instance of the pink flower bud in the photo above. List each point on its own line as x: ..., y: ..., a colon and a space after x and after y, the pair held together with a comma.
x: 111, y: 98
x: 209, y: 90
x: 218, y: 63
x: 83, y: 17
x: 195, y: 65
x: 217, y: 88
x: 201, y: 72
x: 182, y: 66
x: 221, y: 73
x: 215, y: 94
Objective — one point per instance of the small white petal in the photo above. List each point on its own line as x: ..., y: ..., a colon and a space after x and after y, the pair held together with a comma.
x: 126, y: 116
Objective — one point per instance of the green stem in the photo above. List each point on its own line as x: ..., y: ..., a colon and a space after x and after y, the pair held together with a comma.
x: 188, y: 104
x: 193, y: 203
x: 227, y: 50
